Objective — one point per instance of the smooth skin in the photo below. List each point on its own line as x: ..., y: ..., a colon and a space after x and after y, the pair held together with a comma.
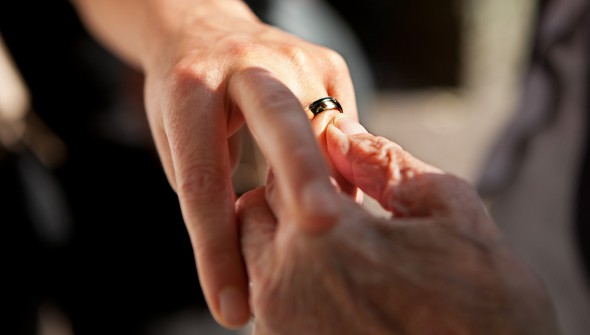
x: 439, y: 265
x: 211, y: 66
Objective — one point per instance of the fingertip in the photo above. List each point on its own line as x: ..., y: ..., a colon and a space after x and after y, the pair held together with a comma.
x: 335, y: 135
x: 321, y: 121
x: 338, y: 144
x: 348, y: 125
x: 234, y: 309
x: 338, y: 134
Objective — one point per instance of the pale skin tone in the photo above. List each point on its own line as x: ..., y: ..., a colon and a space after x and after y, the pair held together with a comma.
x: 437, y: 266
x: 315, y: 259
x: 211, y: 66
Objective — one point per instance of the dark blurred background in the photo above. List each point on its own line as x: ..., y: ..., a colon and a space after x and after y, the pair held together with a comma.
x: 411, y: 44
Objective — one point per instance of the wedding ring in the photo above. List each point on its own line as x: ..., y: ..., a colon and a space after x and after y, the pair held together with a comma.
x: 324, y: 104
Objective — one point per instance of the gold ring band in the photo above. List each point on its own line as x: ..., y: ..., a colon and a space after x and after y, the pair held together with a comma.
x: 324, y: 104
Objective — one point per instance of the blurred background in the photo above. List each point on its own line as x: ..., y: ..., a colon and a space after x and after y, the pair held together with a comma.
x: 95, y: 241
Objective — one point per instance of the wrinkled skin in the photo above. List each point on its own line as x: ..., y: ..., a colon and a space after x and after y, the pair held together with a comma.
x: 438, y: 266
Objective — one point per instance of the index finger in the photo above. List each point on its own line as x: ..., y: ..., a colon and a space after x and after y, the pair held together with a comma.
x: 197, y: 135
x: 283, y: 131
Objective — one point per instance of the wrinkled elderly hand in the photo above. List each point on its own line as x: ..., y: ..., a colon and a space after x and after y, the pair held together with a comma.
x: 438, y: 266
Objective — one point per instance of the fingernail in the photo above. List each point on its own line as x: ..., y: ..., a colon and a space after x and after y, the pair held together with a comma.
x: 233, y: 306
x: 348, y: 125
x: 319, y: 199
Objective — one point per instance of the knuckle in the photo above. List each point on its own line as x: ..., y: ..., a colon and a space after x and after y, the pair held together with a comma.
x: 197, y: 182
x: 379, y: 149
x: 186, y: 72
x: 190, y: 73
x: 388, y: 146
x: 188, y: 79
x: 186, y: 76
x: 240, y: 49
x: 336, y: 60
x: 296, y: 54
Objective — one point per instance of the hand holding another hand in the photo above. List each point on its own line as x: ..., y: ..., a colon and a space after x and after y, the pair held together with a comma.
x: 211, y: 66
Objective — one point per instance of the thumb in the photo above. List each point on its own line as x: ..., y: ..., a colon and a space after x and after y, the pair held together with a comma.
x: 402, y: 184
